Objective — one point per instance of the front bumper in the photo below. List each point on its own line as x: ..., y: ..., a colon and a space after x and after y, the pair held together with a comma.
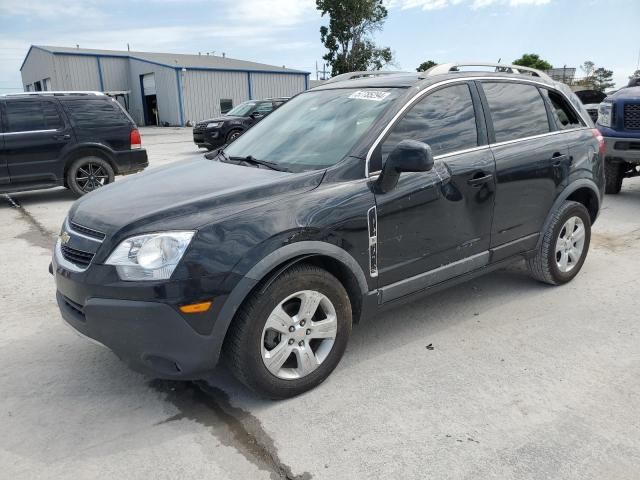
x: 130, y: 161
x: 627, y: 149
x: 208, y: 138
x: 145, y: 330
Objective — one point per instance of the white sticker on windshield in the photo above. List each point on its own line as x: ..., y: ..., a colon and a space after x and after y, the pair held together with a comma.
x: 370, y: 95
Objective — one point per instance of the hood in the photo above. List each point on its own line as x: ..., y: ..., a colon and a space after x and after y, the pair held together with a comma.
x: 223, y: 118
x: 185, y: 195
x: 628, y: 93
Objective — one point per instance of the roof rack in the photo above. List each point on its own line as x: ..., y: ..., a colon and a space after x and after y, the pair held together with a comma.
x: 362, y: 74
x: 454, y: 67
x: 50, y: 93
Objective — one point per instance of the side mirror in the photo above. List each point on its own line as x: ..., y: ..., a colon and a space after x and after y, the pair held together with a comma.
x: 407, y: 156
x: 255, y: 115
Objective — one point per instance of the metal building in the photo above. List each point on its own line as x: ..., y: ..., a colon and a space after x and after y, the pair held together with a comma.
x: 159, y: 88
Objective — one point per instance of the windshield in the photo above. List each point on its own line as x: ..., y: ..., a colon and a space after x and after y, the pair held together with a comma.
x: 314, y: 130
x: 242, y: 110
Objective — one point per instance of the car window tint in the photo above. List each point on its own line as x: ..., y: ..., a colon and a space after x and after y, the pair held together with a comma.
x: 445, y: 120
x: 564, y: 115
x: 95, y: 113
x: 517, y: 110
x: 25, y: 116
x: 265, y: 107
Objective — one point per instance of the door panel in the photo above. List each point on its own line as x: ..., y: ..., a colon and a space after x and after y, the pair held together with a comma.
x: 431, y: 219
x: 35, y: 136
x: 530, y: 174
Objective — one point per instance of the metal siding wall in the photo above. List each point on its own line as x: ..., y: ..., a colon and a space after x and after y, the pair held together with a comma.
x: 115, y: 73
x: 39, y: 66
x: 204, y: 89
x: 266, y: 85
x: 75, y: 72
x: 166, y: 92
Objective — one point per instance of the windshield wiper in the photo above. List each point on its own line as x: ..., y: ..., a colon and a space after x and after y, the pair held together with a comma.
x: 255, y: 161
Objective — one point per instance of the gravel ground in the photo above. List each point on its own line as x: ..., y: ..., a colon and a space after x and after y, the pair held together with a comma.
x: 522, y: 380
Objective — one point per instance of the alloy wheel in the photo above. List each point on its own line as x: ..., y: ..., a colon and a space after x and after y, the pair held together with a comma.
x: 299, y: 334
x: 570, y: 244
x: 91, y: 176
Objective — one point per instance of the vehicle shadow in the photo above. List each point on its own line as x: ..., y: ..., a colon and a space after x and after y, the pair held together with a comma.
x: 392, y: 329
x: 51, y: 195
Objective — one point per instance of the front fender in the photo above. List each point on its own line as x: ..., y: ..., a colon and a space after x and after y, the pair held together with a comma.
x: 288, y: 253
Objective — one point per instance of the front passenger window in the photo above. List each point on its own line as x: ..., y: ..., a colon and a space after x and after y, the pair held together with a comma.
x: 445, y: 120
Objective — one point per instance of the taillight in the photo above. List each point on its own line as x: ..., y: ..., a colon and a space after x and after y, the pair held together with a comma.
x: 136, y: 141
x: 598, y: 136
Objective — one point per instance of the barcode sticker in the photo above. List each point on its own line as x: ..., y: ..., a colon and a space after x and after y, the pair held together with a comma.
x: 370, y: 95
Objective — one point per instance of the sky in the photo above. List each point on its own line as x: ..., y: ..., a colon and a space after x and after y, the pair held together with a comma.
x: 286, y: 32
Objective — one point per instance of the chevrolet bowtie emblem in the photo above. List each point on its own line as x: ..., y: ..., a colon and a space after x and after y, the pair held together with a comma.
x: 64, y: 238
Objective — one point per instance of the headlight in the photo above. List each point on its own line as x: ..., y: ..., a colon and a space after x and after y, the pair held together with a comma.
x: 214, y: 124
x: 604, y: 114
x: 150, y: 257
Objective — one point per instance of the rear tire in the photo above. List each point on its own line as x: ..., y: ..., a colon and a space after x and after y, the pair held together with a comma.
x: 87, y: 174
x: 564, y: 245
x: 279, y: 349
x: 613, y: 177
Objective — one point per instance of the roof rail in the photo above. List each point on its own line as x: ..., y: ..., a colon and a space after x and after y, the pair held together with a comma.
x: 453, y: 67
x: 50, y: 93
x: 362, y: 74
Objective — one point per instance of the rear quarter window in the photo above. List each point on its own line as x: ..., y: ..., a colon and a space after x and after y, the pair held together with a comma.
x: 95, y: 113
x: 517, y: 110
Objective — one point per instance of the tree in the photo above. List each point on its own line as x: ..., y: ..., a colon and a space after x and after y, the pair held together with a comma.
x: 533, y: 60
x: 635, y: 74
x: 424, y: 66
x: 588, y: 67
x: 348, y: 36
x: 602, y: 79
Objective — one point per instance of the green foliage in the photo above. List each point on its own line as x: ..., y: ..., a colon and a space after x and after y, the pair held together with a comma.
x: 602, y: 79
x: 424, y: 66
x: 533, y: 60
x: 348, y: 36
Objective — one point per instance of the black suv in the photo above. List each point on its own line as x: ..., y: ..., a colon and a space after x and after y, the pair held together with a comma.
x: 79, y: 140
x: 353, y: 196
x: 218, y: 131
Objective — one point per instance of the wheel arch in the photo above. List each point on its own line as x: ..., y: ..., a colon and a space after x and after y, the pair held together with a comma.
x: 330, y: 257
x: 583, y: 191
x: 88, y: 150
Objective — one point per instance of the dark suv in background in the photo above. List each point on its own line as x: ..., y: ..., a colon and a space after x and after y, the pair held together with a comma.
x: 354, y: 196
x: 79, y: 140
x: 217, y: 131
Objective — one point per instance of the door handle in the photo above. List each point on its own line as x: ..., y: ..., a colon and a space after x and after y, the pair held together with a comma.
x: 62, y: 137
x: 558, y: 158
x: 479, y: 179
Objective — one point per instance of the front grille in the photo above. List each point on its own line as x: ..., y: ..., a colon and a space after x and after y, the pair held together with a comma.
x: 593, y: 113
x: 632, y: 116
x: 76, y: 307
x: 199, y: 128
x: 77, y: 257
x: 89, y: 232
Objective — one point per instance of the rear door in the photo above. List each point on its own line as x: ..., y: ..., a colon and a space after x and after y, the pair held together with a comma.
x: 530, y: 162
x: 35, y: 138
x: 4, y: 168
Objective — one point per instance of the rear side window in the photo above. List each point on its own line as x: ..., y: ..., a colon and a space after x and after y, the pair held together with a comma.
x: 517, y: 110
x: 95, y: 113
x: 26, y: 116
x: 444, y: 119
x: 564, y: 116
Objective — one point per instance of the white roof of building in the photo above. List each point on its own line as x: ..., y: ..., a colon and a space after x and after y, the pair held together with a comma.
x: 173, y: 60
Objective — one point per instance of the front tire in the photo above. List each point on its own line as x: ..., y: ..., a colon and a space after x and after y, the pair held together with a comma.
x: 232, y: 135
x: 613, y: 174
x: 87, y: 174
x: 564, y: 245
x: 289, y: 335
